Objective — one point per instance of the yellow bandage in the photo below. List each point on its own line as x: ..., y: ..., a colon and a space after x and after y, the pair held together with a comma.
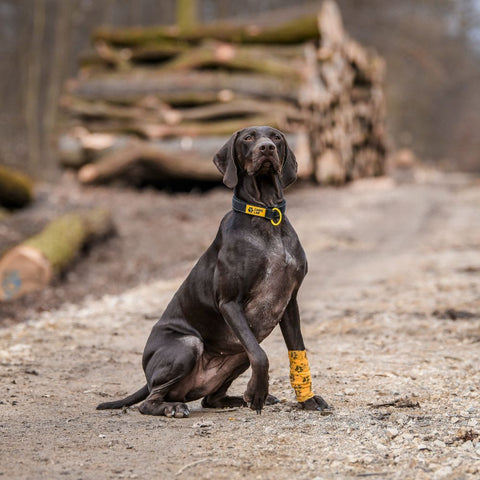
x: 300, y: 377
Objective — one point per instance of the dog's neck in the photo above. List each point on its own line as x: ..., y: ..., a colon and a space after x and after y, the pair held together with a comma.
x: 264, y: 190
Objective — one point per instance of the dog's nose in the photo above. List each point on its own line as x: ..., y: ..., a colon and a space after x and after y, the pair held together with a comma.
x: 266, y: 146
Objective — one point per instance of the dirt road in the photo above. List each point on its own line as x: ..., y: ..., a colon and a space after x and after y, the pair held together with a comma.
x: 391, y: 317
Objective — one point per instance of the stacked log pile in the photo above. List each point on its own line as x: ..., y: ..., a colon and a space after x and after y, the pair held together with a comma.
x: 154, y: 104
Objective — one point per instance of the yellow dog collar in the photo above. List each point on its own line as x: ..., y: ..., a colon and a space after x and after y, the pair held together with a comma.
x: 274, y: 214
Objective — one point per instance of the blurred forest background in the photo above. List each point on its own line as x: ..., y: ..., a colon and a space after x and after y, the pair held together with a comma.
x: 432, y: 49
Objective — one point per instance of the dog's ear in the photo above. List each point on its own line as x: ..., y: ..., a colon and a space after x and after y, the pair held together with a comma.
x: 289, y: 168
x: 224, y: 160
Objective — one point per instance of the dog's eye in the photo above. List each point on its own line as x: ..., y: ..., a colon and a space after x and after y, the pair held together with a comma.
x: 248, y: 138
x: 277, y: 137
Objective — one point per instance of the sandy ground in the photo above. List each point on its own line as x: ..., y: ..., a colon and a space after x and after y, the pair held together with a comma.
x: 391, y: 318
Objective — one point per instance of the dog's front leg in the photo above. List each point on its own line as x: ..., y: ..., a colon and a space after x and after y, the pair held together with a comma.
x: 300, y: 377
x: 257, y: 388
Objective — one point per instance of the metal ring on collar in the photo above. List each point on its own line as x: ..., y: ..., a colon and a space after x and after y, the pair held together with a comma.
x: 280, y: 216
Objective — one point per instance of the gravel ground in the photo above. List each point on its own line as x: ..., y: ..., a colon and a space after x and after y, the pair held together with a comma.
x: 391, y: 318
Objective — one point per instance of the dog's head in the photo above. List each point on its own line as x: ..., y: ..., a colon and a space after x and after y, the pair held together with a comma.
x: 256, y: 151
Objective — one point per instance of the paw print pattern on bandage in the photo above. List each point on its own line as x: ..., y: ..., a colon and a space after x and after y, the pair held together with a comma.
x: 300, y: 377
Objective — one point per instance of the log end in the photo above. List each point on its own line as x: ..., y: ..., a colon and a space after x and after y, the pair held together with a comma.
x: 329, y: 168
x: 22, y: 270
x: 88, y: 174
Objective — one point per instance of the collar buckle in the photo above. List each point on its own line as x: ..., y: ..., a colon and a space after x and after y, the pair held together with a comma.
x: 274, y: 214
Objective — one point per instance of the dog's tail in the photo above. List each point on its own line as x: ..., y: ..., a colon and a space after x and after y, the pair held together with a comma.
x: 132, y: 399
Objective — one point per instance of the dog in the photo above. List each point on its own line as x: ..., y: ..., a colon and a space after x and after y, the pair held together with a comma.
x: 244, y: 285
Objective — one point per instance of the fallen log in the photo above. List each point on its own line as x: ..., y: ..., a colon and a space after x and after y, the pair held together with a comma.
x: 31, y: 265
x: 16, y: 188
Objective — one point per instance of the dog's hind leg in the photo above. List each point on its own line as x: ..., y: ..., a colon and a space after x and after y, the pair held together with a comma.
x: 173, y: 360
x: 219, y: 398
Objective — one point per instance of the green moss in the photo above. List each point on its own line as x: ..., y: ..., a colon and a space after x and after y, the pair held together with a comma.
x: 16, y: 189
x: 295, y: 31
x: 186, y: 14
x: 61, y: 240
x: 4, y: 213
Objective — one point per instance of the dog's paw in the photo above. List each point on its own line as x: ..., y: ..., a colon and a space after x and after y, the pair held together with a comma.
x: 256, y: 393
x: 315, y: 403
x: 271, y: 400
x: 167, y: 409
x: 255, y: 402
x: 223, y: 402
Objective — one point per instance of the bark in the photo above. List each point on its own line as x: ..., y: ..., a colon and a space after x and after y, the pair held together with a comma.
x: 187, y: 129
x: 256, y: 59
x: 158, y: 163
x: 241, y: 107
x: 295, y: 31
x: 31, y: 265
x: 127, y: 87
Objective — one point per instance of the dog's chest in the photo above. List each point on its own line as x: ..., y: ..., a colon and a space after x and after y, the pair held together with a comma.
x: 280, y: 274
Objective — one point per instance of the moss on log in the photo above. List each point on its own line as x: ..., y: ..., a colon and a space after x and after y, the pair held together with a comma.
x: 63, y: 238
x: 294, y: 31
x: 3, y: 214
x: 16, y: 189
x: 186, y: 14
x: 32, y: 265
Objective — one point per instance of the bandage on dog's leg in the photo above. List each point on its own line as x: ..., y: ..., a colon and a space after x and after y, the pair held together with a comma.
x: 300, y: 377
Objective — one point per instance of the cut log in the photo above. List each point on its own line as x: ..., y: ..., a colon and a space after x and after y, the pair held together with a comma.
x: 295, y: 31
x: 32, y: 265
x: 160, y: 165
x: 241, y: 107
x: 123, y: 87
x: 329, y: 168
x: 253, y: 59
x: 16, y: 189
x: 187, y: 129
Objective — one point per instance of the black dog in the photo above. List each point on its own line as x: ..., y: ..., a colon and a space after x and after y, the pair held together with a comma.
x: 241, y: 288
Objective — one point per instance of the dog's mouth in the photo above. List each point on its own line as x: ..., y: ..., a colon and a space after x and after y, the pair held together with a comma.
x: 266, y: 165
